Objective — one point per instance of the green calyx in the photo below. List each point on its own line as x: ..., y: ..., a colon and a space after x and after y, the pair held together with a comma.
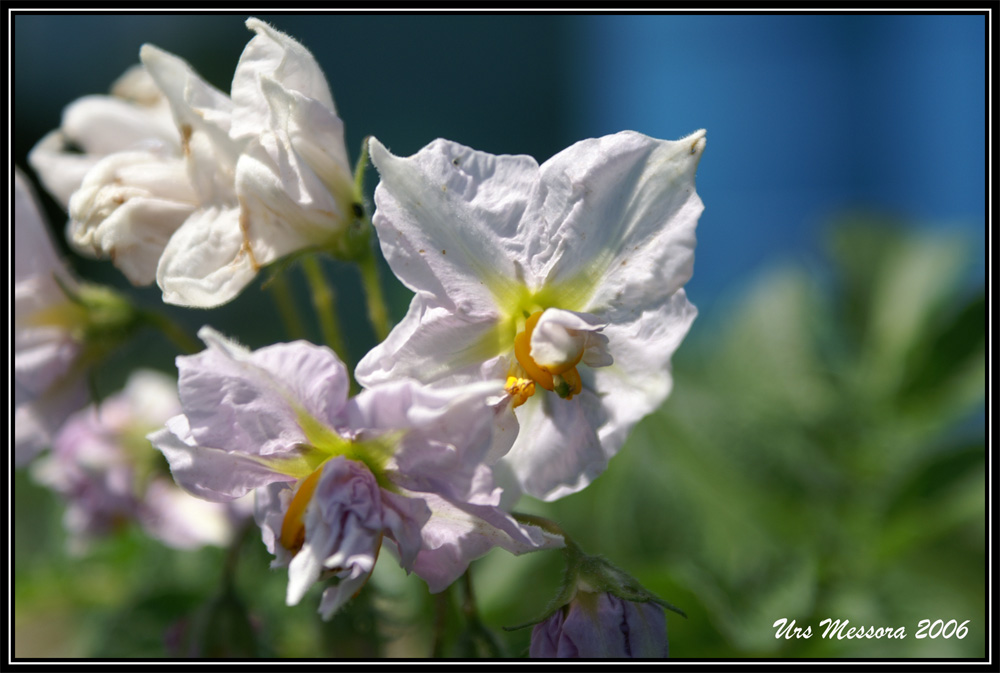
x: 97, y: 317
x: 324, y: 444
x: 109, y: 315
x: 587, y: 577
x: 92, y: 314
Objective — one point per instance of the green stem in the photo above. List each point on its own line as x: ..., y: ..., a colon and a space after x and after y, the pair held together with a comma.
x: 378, y: 314
x: 184, y: 342
x: 233, y: 552
x: 469, y: 604
x: 324, y: 302
x: 440, y: 623
x: 284, y: 301
x: 360, y: 166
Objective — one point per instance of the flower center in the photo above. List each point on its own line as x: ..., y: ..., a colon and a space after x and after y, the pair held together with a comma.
x: 562, y: 378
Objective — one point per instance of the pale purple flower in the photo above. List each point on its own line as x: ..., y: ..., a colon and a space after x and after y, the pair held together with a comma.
x: 108, y: 473
x: 563, y: 281
x: 48, y: 368
x: 336, y: 477
x: 601, y: 626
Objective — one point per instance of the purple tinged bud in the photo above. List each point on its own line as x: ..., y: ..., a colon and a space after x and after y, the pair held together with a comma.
x: 600, y: 626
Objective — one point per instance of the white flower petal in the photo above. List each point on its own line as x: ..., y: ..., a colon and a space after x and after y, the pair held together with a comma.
x: 210, y: 473
x: 136, y: 86
x: 561, y: 337
x: 624, y: 216
x: 403, y: 519
x: 277, y: 56
x: 449, y: 220
x: 458, y: 534
x: 447, y: 432
x: 203, y: 115
x: 206, y: 262
x: 102, y: 125
x: 269, y: 506
x: 294, y: 200
x: 639, y: 380
x: 60, y: 171
x: 249, y: 403
x: 431, y: 342
x: 182, y: 521
x: 558, y: 450
x: 127, y: 208
x: 34, y: 250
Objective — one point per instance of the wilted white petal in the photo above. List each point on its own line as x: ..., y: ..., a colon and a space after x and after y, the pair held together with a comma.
x: 203, y: 115
x: 103, y: 125
x: 343, y: 525
x: 127, y: 208
x: 293, y: 181
x: 97, y: 126
x: 206, y: 262
x: 59, y: 170
x: 274, y: 55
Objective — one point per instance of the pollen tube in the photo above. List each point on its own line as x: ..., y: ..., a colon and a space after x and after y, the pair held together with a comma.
x: 293, y: 528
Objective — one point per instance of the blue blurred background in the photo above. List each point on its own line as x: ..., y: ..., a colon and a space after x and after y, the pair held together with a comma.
x: 806, y: 115
x: 823, y: 452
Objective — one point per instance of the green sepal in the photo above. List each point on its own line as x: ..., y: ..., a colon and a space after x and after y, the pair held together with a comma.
x: 587, y: 574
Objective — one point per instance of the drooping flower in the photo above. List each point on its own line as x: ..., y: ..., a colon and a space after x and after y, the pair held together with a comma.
x: 269, y: 164
x: 204, y: 188
x: 564, y: 281
x: 107, y: 472
x: 335, y: 478
x: 601, y: 626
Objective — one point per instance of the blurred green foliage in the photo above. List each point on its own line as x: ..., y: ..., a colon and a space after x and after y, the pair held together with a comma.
x: 822, y: 456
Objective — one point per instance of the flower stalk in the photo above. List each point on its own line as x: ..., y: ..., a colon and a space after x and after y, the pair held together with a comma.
x: 284, y: 301
x: 378, y: 314
x: 325, y: 304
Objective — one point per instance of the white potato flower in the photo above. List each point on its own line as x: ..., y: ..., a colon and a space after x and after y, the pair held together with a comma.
x: 182, y: 183
x: 564, y: 280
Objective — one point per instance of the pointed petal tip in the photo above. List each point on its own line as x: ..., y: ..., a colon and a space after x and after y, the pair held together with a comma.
x: 150, y: 52
x: 263, y: 28
x: 696, y: 141
x: 377, y: 151
x: 211, y: 336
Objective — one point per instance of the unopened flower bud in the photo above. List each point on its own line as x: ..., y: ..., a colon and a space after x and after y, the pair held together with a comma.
x: 601, y: 625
